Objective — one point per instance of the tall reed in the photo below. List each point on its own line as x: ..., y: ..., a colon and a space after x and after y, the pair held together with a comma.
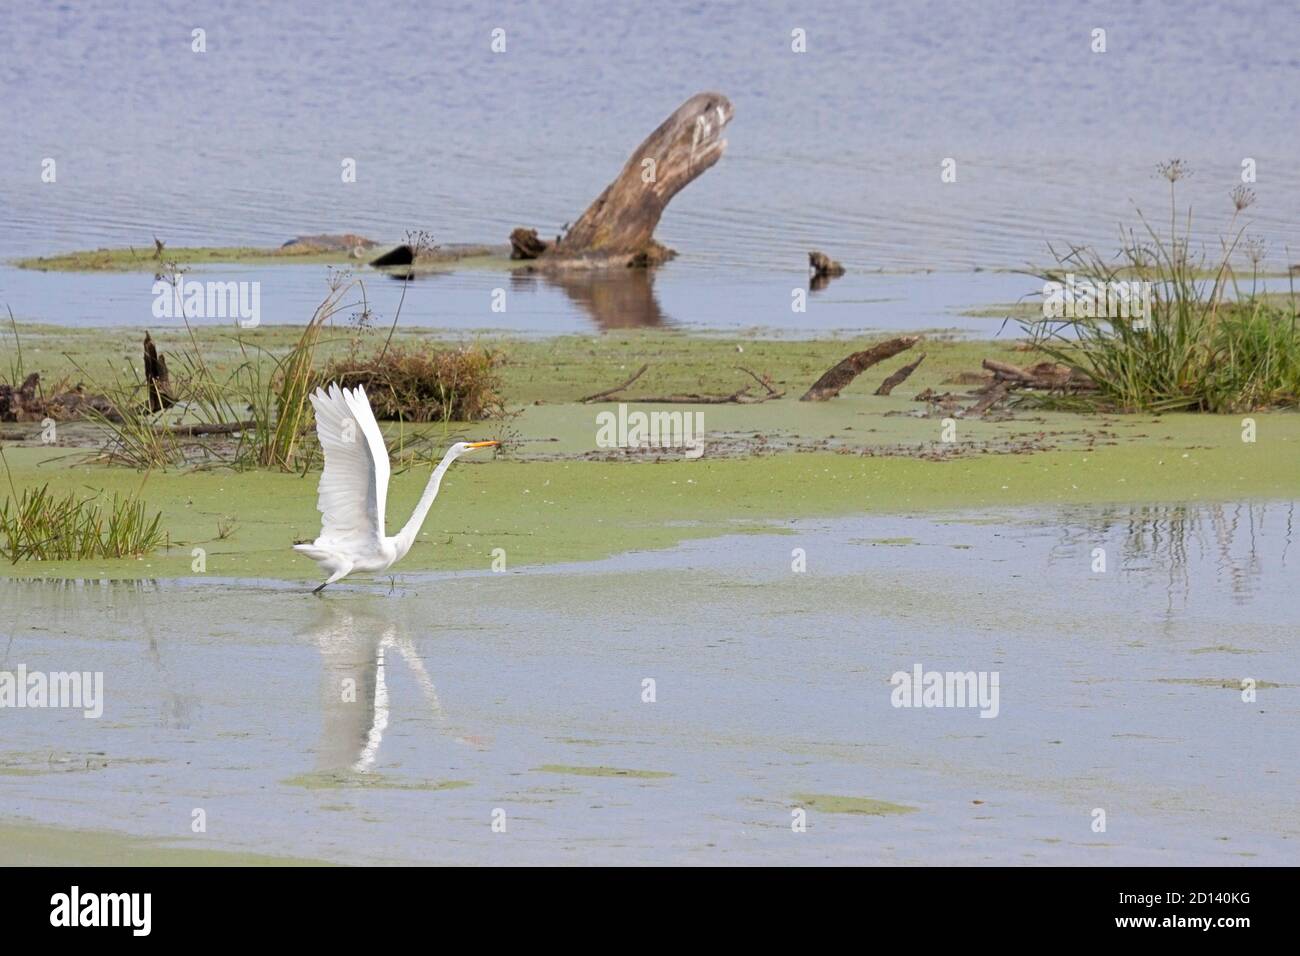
x: 1198, y: 350
x: 260, y: 406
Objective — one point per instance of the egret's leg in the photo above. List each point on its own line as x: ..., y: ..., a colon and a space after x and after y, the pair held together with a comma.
x: 340, y: 573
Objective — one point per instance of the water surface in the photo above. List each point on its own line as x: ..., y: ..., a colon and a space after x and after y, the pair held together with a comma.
x: 522, y: 692
x: 672, y: 297
x: 837, y: 148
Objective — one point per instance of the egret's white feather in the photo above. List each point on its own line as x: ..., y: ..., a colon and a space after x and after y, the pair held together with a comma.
x: 353, y: 490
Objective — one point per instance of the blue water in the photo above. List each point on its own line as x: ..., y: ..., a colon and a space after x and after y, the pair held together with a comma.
x: 836, y: 148
x: 1120, y: 690
x: 673, y: 297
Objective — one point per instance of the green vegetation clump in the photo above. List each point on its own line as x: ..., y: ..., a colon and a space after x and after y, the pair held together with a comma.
x: 830, y: 803
x: 242, y: 401
x: 260, y: 406
x: 149, y: 260
x: 603, y: 772
x: 1197, y: 349
x: 41, y: 526
x: 419, y: 383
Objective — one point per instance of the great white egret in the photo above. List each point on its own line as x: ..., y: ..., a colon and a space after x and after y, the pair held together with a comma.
x: 353, y: 488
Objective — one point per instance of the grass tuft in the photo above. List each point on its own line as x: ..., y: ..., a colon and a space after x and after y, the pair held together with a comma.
x: 40, y: 526
x: 1200, y: 350
x: 421, y: 384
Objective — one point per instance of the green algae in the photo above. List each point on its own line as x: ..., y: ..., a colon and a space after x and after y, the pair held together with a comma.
x: 347, y: 780
x: 556, y: 497
x: 31, y: 844
x: 543, y: 512
x: 602, y: 772
x: 46, y: 762
x: 145, y: 260
x: 554, y: 369
x: 830, y: 803
x: 1230, y: 683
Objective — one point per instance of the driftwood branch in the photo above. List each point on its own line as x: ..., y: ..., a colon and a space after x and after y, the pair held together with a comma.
x: 218, y: 428
x: 764, y: 380
x: 899, y: 377
x: 995, y: 394
x: 155, y: 376
x: 16, y: 402
x: 1007, y: 372
x: 844, y: 372
x: 823, y: 266
x: 618, y: 227
x: 524, y: 244
x: 1047, y: 376
x: 1044, y: 375
x: 29, y: 403
x: 741, y: 397
x: 612, y: 391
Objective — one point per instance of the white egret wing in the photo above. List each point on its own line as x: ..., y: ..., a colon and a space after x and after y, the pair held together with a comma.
x: 353, y: 491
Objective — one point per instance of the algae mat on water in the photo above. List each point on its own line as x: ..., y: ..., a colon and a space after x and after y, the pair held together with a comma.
x: 544, y: 512
x: 24, y: 844
x: 603, y: 772
x: 830, y: 803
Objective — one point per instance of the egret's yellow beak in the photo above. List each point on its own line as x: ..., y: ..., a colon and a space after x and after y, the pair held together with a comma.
x: 484, y: 444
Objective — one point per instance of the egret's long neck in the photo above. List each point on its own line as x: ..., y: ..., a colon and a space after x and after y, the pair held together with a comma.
x: 406, y: 537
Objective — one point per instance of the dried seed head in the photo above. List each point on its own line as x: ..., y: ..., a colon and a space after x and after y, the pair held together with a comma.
x: 1174, y: 170
x: 1256, y: 250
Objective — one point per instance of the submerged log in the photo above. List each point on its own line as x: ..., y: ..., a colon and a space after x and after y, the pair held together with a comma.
x: 28, y: 403
x: 995, y: 394
x: 18, y: 402
x: 823, y: 266
x: 899, y: 377
x: 615, y: 390
x: 217, y: 428
x: 968, y: 378
x: 1044, y: 375
x: 524, y: 244
x: 76, y: 403
x: 618, y: 228
x: 845, y: 371
x: 740, y: 397
x: 402, y: 255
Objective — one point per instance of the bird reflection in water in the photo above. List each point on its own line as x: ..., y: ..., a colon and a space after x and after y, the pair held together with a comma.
x: 358, y: 644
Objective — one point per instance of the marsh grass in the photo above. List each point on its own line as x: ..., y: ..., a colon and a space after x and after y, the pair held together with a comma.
x: 256, y: 413
x: 278, y: 397
x: 422, y: 384
x: 134, y: 437
x: 1200, y: 350
x: 265, y: 392
x: 16, y: 371
x: 40, y: 526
